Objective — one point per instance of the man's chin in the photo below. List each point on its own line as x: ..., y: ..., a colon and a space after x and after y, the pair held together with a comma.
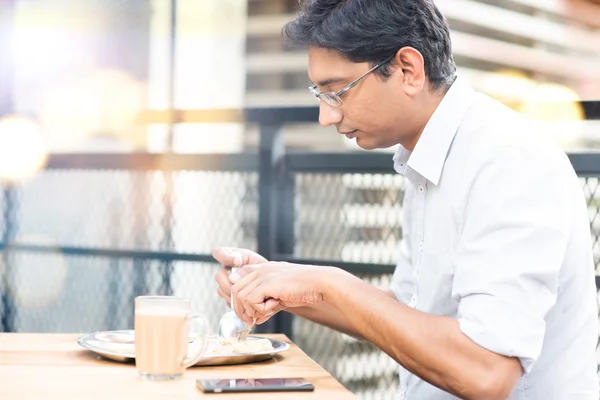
x: 366, y: 144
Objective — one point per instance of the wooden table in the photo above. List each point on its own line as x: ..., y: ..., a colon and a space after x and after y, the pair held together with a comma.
x: 53, y: 366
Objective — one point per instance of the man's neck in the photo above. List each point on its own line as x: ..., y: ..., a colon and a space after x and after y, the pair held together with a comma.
x: 427, y: 107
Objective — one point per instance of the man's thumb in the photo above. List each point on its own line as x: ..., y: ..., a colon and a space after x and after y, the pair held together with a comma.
x: 237, y: 258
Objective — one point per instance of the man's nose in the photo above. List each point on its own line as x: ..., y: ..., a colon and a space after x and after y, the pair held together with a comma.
x: 329, y: 115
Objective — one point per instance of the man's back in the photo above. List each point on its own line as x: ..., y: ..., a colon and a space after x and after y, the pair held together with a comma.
x: 499, y: 239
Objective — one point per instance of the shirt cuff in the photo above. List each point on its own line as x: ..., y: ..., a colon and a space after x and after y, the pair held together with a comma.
x: 502, y: 327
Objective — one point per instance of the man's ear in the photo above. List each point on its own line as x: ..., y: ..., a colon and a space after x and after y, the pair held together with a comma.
x: 410, y: 61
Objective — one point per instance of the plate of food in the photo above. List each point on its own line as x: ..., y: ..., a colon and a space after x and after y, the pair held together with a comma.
x: 120, y: 346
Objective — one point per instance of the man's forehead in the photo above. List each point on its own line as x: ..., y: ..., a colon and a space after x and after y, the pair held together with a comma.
x: 326, y: 64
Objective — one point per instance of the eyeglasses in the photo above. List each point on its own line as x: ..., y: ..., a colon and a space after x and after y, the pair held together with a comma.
x: 333, y: 98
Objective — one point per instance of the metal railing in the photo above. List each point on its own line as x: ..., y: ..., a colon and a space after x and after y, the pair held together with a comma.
x: 289, y: 206
x: 277, y: 171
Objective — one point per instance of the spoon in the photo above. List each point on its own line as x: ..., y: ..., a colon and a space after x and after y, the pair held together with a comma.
x: 232, y: 326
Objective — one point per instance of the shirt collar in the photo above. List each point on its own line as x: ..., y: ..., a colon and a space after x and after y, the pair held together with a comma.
x: 433, y: 146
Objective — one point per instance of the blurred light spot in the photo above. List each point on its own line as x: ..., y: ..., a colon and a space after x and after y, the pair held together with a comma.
x: 551, y: 101
x: 508, y: 86
x: 22, y: 148
x: 37, y: 279
x: 102, y: 102
x: 558, y: 111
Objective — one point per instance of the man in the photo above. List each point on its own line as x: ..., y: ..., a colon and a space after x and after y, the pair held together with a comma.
x: 493, y: 296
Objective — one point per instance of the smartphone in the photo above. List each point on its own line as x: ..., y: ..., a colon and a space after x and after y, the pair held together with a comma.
x: 254, y: 385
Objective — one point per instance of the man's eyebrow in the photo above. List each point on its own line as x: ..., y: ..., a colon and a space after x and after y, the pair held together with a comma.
x: 328, y: 82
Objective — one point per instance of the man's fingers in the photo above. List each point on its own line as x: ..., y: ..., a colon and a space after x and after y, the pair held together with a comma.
x: 222, y: 278
x: 248, y: 291
x: 264, y: 306
x: 264, y: 318
x: 222, y: 255
x: 237, y: 259
x: 248, y: 269
x: 224, y: 296
x: 228, y: 256
x: 269, y: 305
x: 251, y: 286
x: 242, y: 295
x: 239, y: 297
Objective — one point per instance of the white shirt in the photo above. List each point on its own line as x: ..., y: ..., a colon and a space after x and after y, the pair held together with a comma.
x: 496, y: 234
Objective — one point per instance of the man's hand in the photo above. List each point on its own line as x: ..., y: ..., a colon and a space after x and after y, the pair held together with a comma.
x: 260, y: 291
x: 232, y: 257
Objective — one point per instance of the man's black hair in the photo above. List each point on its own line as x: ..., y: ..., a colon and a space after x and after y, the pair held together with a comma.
x: 372, y: 30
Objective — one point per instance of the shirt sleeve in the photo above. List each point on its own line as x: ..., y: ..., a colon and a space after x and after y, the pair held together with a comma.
x: 515, y: 231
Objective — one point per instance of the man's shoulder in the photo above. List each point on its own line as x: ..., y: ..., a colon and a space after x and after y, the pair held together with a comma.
x: 491, y: 129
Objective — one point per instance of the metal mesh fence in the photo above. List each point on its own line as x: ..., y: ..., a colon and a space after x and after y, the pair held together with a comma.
x: 349, y: 217
x: 353, y: 218
x: 344, y: 217
x: 358, y: 365
x: 357, y: 218
x: 87, y: 294
x: 591, y: 190
x: 130, y: 210
x: 187, y: 212
x: 2, y: 208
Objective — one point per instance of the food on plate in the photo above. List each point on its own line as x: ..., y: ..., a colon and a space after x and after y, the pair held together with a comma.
x: 219, y: 346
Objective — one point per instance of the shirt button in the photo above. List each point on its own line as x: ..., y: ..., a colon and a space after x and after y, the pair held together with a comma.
x: 413, y: 302
x: 421, y: 189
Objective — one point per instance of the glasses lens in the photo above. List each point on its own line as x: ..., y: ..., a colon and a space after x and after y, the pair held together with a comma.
x: 331, y: 98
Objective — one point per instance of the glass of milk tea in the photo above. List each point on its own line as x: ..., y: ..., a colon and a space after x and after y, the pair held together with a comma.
x: 162, y: 334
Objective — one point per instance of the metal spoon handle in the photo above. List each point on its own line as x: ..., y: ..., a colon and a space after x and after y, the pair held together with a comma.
x: 233, y: 270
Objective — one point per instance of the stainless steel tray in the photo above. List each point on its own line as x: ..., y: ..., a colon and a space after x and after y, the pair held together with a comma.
x: 119, y: 346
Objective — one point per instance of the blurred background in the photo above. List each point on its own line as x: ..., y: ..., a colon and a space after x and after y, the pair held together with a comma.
x: 136, y: 135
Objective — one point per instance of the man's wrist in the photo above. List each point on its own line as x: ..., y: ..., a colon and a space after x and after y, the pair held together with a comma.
x: 330, y: 281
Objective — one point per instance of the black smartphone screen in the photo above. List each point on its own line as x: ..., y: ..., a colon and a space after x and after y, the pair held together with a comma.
x: 254, y: 385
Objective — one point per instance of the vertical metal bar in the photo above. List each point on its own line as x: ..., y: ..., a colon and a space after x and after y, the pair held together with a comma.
x: 286, y: 211
x: 286, y: 234
x: 4, y: 307
x: 141, y: 181
x: 167, y: 288
x: 167, y: 241
x: 271, y: 152
x: 115, y: 299
x: 8, y: 317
